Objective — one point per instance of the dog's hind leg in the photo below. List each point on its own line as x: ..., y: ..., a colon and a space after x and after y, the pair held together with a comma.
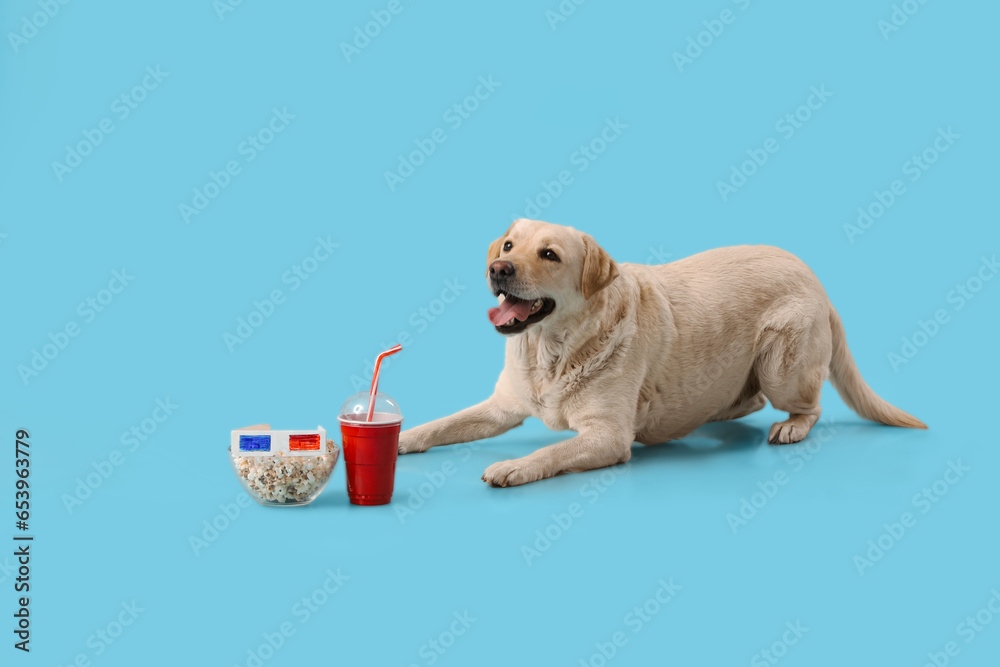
x: 792, y: 365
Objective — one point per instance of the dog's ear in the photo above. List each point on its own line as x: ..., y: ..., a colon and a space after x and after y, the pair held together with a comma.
x: 495, y: 247
x: 599, y: 270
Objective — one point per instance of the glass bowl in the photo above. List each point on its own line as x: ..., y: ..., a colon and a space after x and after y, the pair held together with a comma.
x: 285, y: 479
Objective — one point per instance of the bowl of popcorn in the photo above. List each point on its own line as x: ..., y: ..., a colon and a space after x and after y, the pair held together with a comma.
x: 282, y: 468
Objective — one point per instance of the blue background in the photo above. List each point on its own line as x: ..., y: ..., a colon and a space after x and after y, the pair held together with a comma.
x: 650, y: 197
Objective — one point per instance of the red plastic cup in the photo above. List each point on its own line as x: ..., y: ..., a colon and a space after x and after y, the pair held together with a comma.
x: 370, y: 450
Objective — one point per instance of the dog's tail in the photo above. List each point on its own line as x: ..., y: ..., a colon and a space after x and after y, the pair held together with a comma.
x: 854, y: 390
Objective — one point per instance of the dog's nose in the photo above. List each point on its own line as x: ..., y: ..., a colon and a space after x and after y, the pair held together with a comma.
x: 501, y: 269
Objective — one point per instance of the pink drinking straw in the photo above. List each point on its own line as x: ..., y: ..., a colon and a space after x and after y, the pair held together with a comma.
x: 378, y: 364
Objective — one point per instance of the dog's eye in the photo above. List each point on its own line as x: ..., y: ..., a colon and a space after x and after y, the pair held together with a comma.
x: 549, y: 255
x: 508, y: 245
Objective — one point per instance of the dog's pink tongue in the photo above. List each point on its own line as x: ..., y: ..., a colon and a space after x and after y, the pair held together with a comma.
x: 510, y: 308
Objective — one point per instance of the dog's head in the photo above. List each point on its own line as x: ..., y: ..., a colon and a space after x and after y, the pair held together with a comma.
x: 537, y: 268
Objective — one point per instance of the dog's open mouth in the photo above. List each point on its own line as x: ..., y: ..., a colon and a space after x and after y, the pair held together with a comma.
x: 514, y: 314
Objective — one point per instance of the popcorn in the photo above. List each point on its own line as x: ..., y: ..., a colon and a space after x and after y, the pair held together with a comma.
x: 284, y: 479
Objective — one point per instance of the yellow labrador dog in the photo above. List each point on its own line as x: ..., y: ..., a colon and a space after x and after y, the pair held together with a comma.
x: 627, y: 352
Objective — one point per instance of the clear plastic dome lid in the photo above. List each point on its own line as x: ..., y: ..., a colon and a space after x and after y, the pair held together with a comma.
x: 355, y: 409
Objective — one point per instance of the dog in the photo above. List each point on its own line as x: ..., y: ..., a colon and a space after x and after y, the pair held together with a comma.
x: 624, y: 353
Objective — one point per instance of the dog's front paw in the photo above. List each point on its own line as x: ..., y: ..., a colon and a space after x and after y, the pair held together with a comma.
x: 512, y: 473
x: 408, y: 443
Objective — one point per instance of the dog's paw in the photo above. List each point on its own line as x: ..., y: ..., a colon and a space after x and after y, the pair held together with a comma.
x: 787, y: 432
x: 408, y: 444
x: 511, y: 473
